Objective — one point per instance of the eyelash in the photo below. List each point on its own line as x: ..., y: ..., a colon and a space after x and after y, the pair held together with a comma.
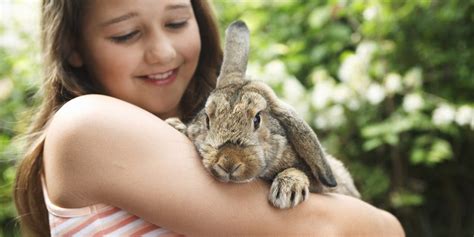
x: 177, y: 25
x: 124, y: 38
x: 131, y: 35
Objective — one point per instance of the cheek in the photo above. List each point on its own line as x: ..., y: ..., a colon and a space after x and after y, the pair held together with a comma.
x: 190, y: 44
x: 109, y: 65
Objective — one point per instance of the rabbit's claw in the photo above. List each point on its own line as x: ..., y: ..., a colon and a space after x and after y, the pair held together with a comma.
x: 177, y: 124
x: 289, y: 188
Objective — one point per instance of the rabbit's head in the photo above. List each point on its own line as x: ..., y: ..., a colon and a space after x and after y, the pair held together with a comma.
x: 237, y: 134
x: 245, y: 123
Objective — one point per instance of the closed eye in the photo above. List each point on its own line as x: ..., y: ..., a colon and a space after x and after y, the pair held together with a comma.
x: 125, y: 38
x: 177, y: 25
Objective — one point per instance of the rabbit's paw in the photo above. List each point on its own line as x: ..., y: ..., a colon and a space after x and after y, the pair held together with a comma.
x: 177, y: 124
x: 289, y: 188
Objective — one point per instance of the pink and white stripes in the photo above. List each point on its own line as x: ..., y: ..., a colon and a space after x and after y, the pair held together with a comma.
x: 98, y: 220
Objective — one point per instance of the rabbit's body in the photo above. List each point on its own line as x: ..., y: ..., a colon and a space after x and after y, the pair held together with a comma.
x: 245, y: 132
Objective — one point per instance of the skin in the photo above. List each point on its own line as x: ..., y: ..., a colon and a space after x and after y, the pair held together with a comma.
x: 125, y: 41
x: 117, y: 150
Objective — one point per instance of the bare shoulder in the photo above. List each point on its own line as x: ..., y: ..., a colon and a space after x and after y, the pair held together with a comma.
x: 94, y: 107
x: 97, y: 116
x: 91, y: 141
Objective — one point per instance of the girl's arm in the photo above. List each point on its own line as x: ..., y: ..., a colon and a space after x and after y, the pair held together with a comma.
x: 103, y: 150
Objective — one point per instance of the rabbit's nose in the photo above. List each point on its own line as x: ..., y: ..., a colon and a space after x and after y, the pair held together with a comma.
x: 230, y: 168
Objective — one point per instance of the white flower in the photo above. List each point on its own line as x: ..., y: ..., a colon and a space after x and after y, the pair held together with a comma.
x: 412, y: 102
x: 320, y: 75
x: 393, y: 83
x: 342, y: 94
x: 320, y: 122
x: 354, y: 104
x: 293, y: 90
x: 321, y: 94
x: 254, y: 70
x: 464, y: 115
x: 330, y: 118
x: 350, y: 68
x: 370, y: 13
x: 336, y: 116
x: 375, y: 94
x: 443, y: 115
x: 275, y: 67
x: 353, y: 72
x: 354, y: 68
x: 365, y: 51
x: 278, y: 49
x: 274, y: 72
x: 302, y: 109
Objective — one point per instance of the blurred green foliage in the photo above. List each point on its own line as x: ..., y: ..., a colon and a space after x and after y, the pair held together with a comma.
x: 389, y: 88
x: 19, y: 80
x: 387, y: 85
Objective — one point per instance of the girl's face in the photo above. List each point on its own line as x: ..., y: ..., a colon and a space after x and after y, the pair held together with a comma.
x: 141, y: 51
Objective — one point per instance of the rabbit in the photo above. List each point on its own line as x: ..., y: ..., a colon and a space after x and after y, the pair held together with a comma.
x: 245, y: 132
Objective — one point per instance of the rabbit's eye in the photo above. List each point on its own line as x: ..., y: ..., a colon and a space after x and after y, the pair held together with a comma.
x: 256, y: 121
x: 207, y: 122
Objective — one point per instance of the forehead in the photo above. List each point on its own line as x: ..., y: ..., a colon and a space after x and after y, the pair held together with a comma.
x: 103, y: 10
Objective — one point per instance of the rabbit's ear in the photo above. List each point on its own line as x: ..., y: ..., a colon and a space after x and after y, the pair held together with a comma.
x: 300, y: 135
x: 236, y: 51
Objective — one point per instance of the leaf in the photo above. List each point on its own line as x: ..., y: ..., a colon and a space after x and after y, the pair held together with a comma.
x: 391, y: 139
x: 319, y: 16
x: 372, y: 144
x: 417, y: 156
x: 406, y: 199
x: 440, y: 151
x: 430, y: 151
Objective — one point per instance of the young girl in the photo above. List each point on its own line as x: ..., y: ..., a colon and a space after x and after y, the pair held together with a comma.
x: 102, y: 162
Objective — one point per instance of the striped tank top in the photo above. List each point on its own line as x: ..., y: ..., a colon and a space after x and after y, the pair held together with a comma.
x: 98, y: 220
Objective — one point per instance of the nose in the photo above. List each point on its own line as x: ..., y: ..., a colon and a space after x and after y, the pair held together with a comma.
x: 160, y: 50
x: 229, y: 168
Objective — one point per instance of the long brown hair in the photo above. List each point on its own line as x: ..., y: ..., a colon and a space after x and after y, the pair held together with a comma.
x: 60, y: 26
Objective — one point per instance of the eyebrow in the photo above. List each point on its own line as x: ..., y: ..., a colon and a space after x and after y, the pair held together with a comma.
x: 119, y: 19
x: 135, y: 14
x: 178, y: 6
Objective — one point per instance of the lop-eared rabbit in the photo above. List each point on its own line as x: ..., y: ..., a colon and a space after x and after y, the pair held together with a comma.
x: 245, y: 132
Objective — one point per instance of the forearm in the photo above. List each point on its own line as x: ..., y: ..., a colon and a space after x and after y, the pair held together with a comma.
x: 320, y: 215
x: 348, y: 216
x: 183, y: 197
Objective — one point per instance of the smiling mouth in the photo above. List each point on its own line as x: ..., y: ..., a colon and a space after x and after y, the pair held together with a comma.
x: 159, y: 76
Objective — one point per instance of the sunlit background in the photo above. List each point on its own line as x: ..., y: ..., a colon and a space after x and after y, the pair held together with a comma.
x: 387, y: 85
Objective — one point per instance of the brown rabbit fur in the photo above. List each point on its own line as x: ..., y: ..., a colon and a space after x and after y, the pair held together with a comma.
x: 245, y: 132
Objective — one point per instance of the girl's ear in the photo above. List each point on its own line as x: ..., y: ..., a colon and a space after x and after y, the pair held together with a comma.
x: 75, y: 59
